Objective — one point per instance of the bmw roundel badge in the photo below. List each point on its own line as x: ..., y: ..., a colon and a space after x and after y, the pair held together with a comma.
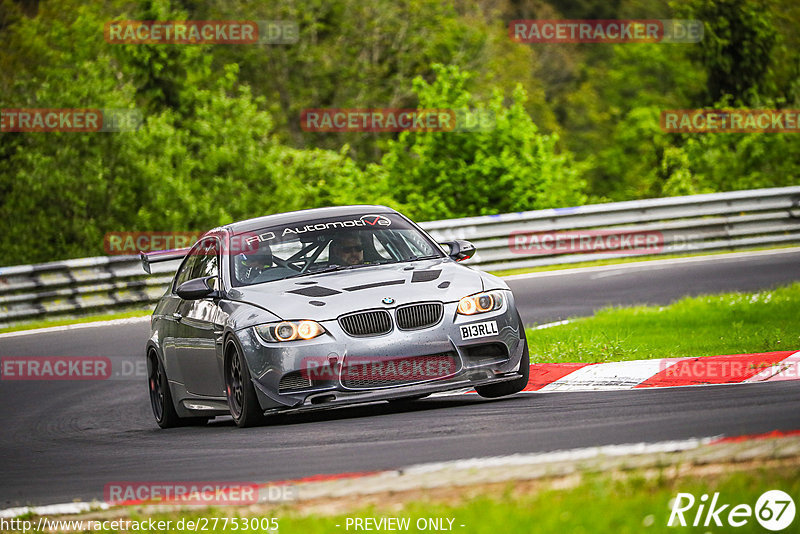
x: 388, y: 300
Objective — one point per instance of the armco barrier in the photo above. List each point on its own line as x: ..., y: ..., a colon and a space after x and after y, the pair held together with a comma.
x: 738, y: 219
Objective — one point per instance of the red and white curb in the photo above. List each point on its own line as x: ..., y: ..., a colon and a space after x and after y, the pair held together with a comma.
x: 665, y: 372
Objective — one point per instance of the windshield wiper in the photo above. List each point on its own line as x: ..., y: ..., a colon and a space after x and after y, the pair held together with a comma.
x: 334, y: 268
x: 328, y: 269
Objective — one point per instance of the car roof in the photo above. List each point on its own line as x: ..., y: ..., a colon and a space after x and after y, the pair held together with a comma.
x: 294, y: 217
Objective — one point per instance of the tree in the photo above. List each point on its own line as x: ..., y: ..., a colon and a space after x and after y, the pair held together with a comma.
x: 737, y: 50
x: 510, y: 167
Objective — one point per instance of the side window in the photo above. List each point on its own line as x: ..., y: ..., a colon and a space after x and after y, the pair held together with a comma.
x: 185, y: 272
x: 208, y: 264
x: 203, y: 261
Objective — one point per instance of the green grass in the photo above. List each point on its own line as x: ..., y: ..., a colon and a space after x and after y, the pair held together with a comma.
x: 74, y: 320
x: 628, y: 259
x: 730, y: 323
x: 597, y: 505
x: 627, y: 502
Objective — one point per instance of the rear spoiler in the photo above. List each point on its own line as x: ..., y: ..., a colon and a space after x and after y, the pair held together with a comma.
x: 160, y: 256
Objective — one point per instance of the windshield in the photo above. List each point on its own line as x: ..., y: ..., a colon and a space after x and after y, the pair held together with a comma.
x: 285, y: 251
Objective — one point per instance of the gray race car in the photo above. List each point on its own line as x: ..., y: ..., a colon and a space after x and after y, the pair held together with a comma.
x: 323, y: 308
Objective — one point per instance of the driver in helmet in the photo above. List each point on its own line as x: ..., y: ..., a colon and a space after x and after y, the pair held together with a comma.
x: 347, y: 249
x: 250, y: 264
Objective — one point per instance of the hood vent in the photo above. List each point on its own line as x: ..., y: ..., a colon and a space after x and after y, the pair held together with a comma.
x: 315, y: 291
x: 425, y: 276
x: 375, y: 284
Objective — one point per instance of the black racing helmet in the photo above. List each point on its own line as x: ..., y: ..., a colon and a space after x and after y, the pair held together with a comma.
x: 260, y: 257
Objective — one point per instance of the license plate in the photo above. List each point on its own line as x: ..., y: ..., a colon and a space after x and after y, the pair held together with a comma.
x: 471, y: 331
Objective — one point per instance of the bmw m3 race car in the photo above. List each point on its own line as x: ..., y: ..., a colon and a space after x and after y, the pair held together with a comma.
x: 323, y: 308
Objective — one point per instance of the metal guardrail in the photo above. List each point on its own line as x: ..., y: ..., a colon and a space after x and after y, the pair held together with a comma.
x: 719, y: 221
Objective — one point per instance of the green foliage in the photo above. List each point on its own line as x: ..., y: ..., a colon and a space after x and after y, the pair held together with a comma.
x: 352, y: 54
x: 510, y: 167
x: 737, y: 48
x: 205, y: 156
x: 221, y: 140
x: 730, y: 161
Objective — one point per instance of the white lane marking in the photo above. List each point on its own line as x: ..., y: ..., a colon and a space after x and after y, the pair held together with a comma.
x: 646, y: 264
x: 550, y: 325
x: 54, y: 509
x: 561, y: 455
x: 607, y: 376
x: 113, y: 322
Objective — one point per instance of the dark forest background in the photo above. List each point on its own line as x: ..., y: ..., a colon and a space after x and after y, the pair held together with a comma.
x: 221, y: 139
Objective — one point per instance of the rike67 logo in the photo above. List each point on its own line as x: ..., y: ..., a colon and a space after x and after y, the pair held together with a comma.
x: 774, y: 510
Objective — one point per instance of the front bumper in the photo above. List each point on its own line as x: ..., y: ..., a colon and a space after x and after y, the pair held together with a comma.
x: 492, y: 357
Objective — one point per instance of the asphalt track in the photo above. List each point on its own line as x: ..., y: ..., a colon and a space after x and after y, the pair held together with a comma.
x: 62, y: 441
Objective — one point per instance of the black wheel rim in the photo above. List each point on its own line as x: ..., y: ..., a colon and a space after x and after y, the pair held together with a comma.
x: 157, y: 391
x: 234, y: 386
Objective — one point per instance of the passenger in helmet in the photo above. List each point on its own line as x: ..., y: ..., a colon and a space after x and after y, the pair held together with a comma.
x: 250, y: 264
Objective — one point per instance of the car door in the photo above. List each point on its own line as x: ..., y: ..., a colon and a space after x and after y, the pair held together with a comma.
x: 169, y: 320
x: 198, y: 323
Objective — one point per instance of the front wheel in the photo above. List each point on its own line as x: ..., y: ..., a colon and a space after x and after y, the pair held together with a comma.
x: 242, y: 399
x: 512, y: 386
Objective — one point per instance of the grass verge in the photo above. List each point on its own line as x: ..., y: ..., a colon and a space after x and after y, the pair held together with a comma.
x: 728, y: 323
x: 74, y: 320
x: 629, y: 501
x: 598, y: 504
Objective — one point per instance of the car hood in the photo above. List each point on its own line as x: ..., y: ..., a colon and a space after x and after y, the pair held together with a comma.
x: 327, y: 296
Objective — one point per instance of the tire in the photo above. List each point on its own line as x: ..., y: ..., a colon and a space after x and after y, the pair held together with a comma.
x: 161, y: 397
x: 512, y: 386
x: 239, y: 390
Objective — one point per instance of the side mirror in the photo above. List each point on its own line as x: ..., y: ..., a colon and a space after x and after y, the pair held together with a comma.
x: 460, y: 249
x: 198, y: 288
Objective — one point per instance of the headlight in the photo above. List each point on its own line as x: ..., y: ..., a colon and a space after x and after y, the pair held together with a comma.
x: 289, y: 331
x: 480, y: 303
